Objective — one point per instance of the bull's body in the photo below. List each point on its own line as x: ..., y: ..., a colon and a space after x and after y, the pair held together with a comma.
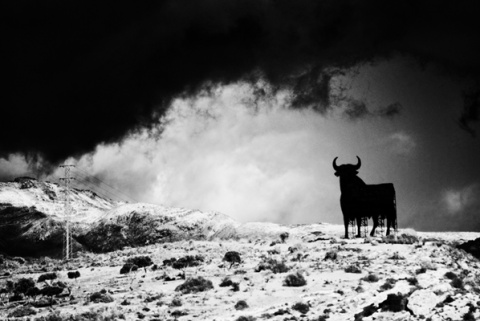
x: 360, y: 200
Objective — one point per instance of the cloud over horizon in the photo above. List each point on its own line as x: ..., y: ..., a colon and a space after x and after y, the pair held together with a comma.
x: 82, y: 74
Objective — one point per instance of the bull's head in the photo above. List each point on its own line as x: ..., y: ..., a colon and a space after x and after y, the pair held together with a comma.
x: 346, y: 169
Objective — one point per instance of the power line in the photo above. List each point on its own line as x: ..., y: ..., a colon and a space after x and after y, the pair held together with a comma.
x: 114, y: 194
x: 77, y: 170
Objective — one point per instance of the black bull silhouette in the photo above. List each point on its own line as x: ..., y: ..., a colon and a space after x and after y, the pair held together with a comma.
x: 360, y: 200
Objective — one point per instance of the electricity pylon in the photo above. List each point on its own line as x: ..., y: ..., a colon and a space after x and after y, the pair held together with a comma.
x: 67, y: 245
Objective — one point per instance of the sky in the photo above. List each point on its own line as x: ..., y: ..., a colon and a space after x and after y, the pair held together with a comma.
x: 240, y: 106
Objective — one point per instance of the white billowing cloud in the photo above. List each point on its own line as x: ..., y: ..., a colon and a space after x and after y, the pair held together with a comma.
x: 401, y: 143
x: 459, y: 200
x: 230, y: 151
x: 13, y: 166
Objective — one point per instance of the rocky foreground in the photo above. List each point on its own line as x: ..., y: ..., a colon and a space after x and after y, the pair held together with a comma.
x: 308, y: 274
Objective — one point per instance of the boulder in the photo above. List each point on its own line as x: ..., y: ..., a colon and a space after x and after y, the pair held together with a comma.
x: 421, y: 302
x: 472, y: 247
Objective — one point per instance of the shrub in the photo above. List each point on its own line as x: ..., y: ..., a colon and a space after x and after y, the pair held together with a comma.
x: 296, y: 279
x: 22, y: 311
x: 51, y: 291
x: 128, y: 267
x: 412, y: 281
x: 33, y: 292
x: 232, y: 257
x: 47, y: 276
x: 99, y: 297
x: 241, y: 305
x: 331, y: 255
x: 22, y: 285
x: 245, y: 318
x: 140, y: 261
x: 194, y: 285
x: 394, y: 303
x: 176, y: 302
x: 184, y: 262
x: 389, y: 283
x: 367, y: 311
x: 421, y: 270
x: 353, y: 269
x: 73, y: 275
x: 370, y: 278
x: 301, y: 307
x: 457, y: 283
x: 450, y: 275
x: 272, y: 265
x: 226, y: 282
x: 284, y: 236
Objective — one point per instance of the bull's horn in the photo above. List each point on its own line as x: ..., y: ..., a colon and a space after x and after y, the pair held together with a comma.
x: 359, y: 163
x: 335, y: 167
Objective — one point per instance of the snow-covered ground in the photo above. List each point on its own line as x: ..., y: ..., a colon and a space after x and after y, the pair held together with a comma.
x: 414, y: 271
x: 429, y: 277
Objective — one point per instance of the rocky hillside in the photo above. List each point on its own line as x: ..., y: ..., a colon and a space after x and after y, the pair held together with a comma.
x: 32, y: 221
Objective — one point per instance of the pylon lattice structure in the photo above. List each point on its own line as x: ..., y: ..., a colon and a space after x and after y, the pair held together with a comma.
x: 67, y: 242
x: 363, y: 227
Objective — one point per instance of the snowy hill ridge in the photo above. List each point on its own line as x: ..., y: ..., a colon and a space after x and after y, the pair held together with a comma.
x: 32, y: 221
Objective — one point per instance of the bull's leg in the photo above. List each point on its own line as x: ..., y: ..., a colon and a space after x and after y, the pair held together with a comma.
x: 389, y: 223
x: 345, y: 222
x: 359, y: 225
x: 375, y: 224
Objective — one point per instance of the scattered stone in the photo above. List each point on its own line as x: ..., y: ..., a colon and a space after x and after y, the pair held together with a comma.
x: 421, y: 302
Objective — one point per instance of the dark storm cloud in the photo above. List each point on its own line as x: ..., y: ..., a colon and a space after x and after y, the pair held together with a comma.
x: 79, y: 73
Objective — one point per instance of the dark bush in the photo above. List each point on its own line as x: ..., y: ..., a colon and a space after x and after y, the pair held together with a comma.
x: 245, y: 318
x: 394, y: 303
x: 331, y: 255
x: 99, y: 297
x: 194, y: 285
x: 184, y: 262
x: 176, y: 302
x: 353, y: 269
x: 272, y: 265
x: 22, y: 311
x: 22, y: 285
x: 140, y: 261
x: 389, y: 283
x: 33, y: 292
x: 457, y: 283
x: 450, y: 275
x: 421, y: 270
x: 16, y: 297
x: 370, y: 278
x: 367, y: 311
x: 73, y: 274
x: 241, y: 305
x: 127, y: 268
x: 178, y: 313
x: 51, y: 291
x: 301, y: 307
x: 235, y: 287
x: 284, y: 236
x: 232, y: 257
x: 412, y: 281
x: 47, y: 276
x: 226, y: 282
x: 296, y: 279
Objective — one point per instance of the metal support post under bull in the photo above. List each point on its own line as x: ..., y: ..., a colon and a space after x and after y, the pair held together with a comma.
x: 364, y: 225
x: 353, y: 232
x: 381, y: 224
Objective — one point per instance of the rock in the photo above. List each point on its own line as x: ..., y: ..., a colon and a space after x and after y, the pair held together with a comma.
x: 472, y: 247
x: 421, y: 302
